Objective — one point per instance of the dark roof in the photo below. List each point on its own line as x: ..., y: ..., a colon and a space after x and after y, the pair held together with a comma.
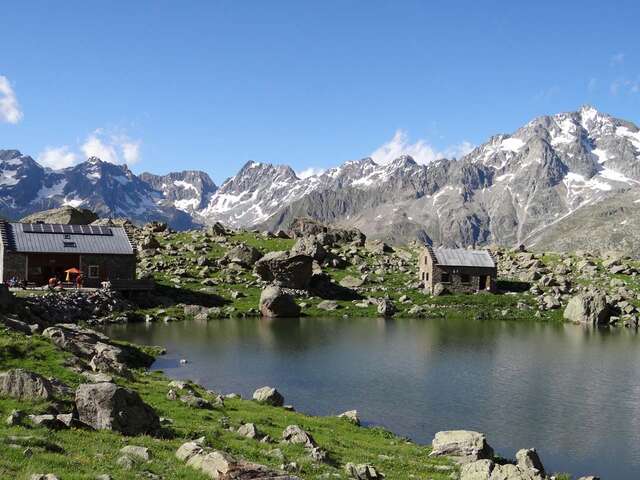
x: 54, y: 238
x: 459, y: 257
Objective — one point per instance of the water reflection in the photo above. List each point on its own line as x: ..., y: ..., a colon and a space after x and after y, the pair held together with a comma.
x: 571, y: 392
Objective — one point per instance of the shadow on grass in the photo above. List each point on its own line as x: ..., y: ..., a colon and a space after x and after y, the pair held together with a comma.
x: 167, y: 296
x: 504, y: 286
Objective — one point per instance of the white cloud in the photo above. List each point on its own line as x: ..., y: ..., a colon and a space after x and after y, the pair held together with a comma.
x: 625, y: 85
x: 617, y: 59
x: 310, y: 172
x: 9, y: 108
x: 57, y: 158
x: 111, y: 148
x: 420, y: 151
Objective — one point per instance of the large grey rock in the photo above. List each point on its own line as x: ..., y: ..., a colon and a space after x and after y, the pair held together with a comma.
x: 311, y: 247
x: 285, y: 270
x: 106, y: 406
x: 269, y: 395
x: 351, y: 282
x: 276, y: 303
x: 590, y: 308
x: 220, y: 465
x: 248, y: 430
x: 25, y: 385
x: 91, y: 344
x: 296, y: 435
x: 528, y: 459
x: 462, y: 445
x: 478, y: 470
x: 386, y: 308
x: 362, y: 472
x: 243, y: 254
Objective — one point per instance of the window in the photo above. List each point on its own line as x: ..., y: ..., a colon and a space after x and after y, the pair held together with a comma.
x: 94, y: 271
x: 69, y: 244
x: 445, y: 278
x: 464, y: 278
x: 426, y: 276
x: 67, y: 236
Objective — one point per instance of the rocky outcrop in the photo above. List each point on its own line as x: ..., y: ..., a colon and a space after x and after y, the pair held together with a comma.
x: 461, y: 445
x: 362, y: 472
x: 285, y: 270
x: 220, y: 465
x: 64, y: 215
x: 590, y: 308
x: 274, y: 302
x: 103, y: 355
x: 106, y: 406
x: 24, y: 385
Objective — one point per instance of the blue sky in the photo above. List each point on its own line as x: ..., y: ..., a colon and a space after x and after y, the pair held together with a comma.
x: 170, y: 85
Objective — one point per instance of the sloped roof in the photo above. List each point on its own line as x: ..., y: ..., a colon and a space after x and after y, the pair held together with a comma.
x: 32, y: 238
x: 459, y: 257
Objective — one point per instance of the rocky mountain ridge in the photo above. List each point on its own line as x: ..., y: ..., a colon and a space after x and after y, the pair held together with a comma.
x: 537, y: 186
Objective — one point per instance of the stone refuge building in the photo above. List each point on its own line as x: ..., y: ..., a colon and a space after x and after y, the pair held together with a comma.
x: 458, y: 270
x: 37, y: 251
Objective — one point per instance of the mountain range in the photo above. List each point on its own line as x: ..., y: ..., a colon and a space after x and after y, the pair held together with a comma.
x: 566, y: 181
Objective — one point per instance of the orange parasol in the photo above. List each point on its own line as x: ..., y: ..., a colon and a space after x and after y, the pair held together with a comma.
x: 71, y: 271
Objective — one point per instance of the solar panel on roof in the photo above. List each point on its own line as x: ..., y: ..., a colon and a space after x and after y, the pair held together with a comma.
x: 66, y: 229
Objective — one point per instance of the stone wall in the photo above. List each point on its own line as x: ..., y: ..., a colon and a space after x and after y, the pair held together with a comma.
x: 13, y: 265
x: 110, y: 267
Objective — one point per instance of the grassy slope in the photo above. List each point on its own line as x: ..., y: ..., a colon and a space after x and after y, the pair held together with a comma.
x: 88, y: 453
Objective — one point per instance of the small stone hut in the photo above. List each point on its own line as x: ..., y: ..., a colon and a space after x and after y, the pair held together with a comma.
x: 458, y: 270
x: 35, y: 252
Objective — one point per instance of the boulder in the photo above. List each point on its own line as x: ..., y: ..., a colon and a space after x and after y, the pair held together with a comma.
x: 25, y: 385
x: 328, y: 305
x: 386, y: 308
x: 362, y: 472
x: 478, y: 470
x: 269, y: 395
x: 106, y: 406
x: 309, y: 246
x: 351, y: 282
x: 352, y: 416
x: 589, y: 308
x: 296, y: 435
x: 285, y: 270
x: 528, y: 459
x: 275, y: 303
x: 462, y: 445
x: 243, y: 254
x: 439, y: 289
x: 248, y: 430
